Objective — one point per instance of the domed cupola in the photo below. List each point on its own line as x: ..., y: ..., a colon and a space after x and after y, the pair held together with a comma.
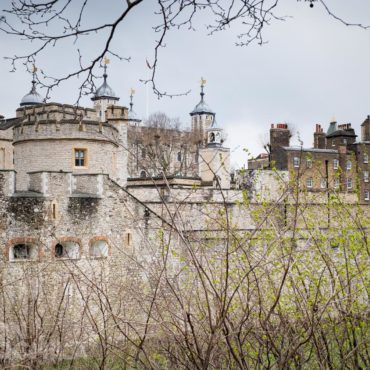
x: 132, y: 116
x: 104, y: 95
x: 33, y: 97
x: 202, y: 117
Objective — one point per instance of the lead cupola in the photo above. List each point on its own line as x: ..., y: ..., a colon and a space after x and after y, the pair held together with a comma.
x: 202, y: 116
x: 33, y: 97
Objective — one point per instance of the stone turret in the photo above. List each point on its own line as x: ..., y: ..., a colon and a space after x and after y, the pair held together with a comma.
x: 202, y: 117
x: 214, y: 163
x: 65, y: 138
x: 104, y: 95
x: 117, y: 117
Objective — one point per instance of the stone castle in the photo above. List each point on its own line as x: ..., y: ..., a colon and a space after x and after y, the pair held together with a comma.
x: 81, y: 182
x: 110, y: 227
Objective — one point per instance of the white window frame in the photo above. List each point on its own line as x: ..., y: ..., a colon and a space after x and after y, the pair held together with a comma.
x: 309, y: 183
x: 348, y: 165
x: 366, y: 158
x: 336, y: 183
x: 335, y: 164
x: 296, y: 162
x: 366, y: 176
x: 366, y: 195
x: 309, y: 163
x: 323, y: 184
x: 349, y: 183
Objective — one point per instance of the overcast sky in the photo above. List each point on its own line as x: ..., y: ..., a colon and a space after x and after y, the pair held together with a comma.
x: 311, y: 69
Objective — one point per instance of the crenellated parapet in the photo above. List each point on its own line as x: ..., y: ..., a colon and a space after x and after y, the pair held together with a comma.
x: 63, y: 138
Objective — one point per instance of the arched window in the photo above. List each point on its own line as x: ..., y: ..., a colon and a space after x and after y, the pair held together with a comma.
x: 67, y: 249
x: 99, y: 248
x: 23, y: 251
x: 143, y: 174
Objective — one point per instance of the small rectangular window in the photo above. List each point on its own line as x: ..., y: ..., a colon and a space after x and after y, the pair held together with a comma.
x: 366, y: 158
x: 80, y: 158
x: 296, y: 162
x: 366, y: 176
x: 366, y: 195
x: 336, y: 183
x: 335, y: 164
x: 179, y: 156
x: 309, y: 163
x: 323, y: 183
x: 349, y: 165
x: 349, y: 183
x: 309, y: 183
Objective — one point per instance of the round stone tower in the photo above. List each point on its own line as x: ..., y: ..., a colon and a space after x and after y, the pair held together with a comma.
x: 56, y: 137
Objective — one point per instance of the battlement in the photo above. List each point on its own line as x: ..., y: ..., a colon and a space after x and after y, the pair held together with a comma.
x: 56, y: 111
x: 116, y: 112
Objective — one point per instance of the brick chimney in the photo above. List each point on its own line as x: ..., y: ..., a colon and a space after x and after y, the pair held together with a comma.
x: 365, y: 129
x: 319, y: 137
x: 279, y: 137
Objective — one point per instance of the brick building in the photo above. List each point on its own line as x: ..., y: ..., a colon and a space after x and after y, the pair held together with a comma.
x: 337, y: 161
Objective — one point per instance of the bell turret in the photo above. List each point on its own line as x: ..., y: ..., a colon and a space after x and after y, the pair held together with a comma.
x: 202, y: 117
x: 104, y: 95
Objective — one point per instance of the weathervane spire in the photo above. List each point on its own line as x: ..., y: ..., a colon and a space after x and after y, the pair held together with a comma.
x: 105, y: 62
x: 132, y: 93
x: 34, y: 70
x: 202, y: 84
